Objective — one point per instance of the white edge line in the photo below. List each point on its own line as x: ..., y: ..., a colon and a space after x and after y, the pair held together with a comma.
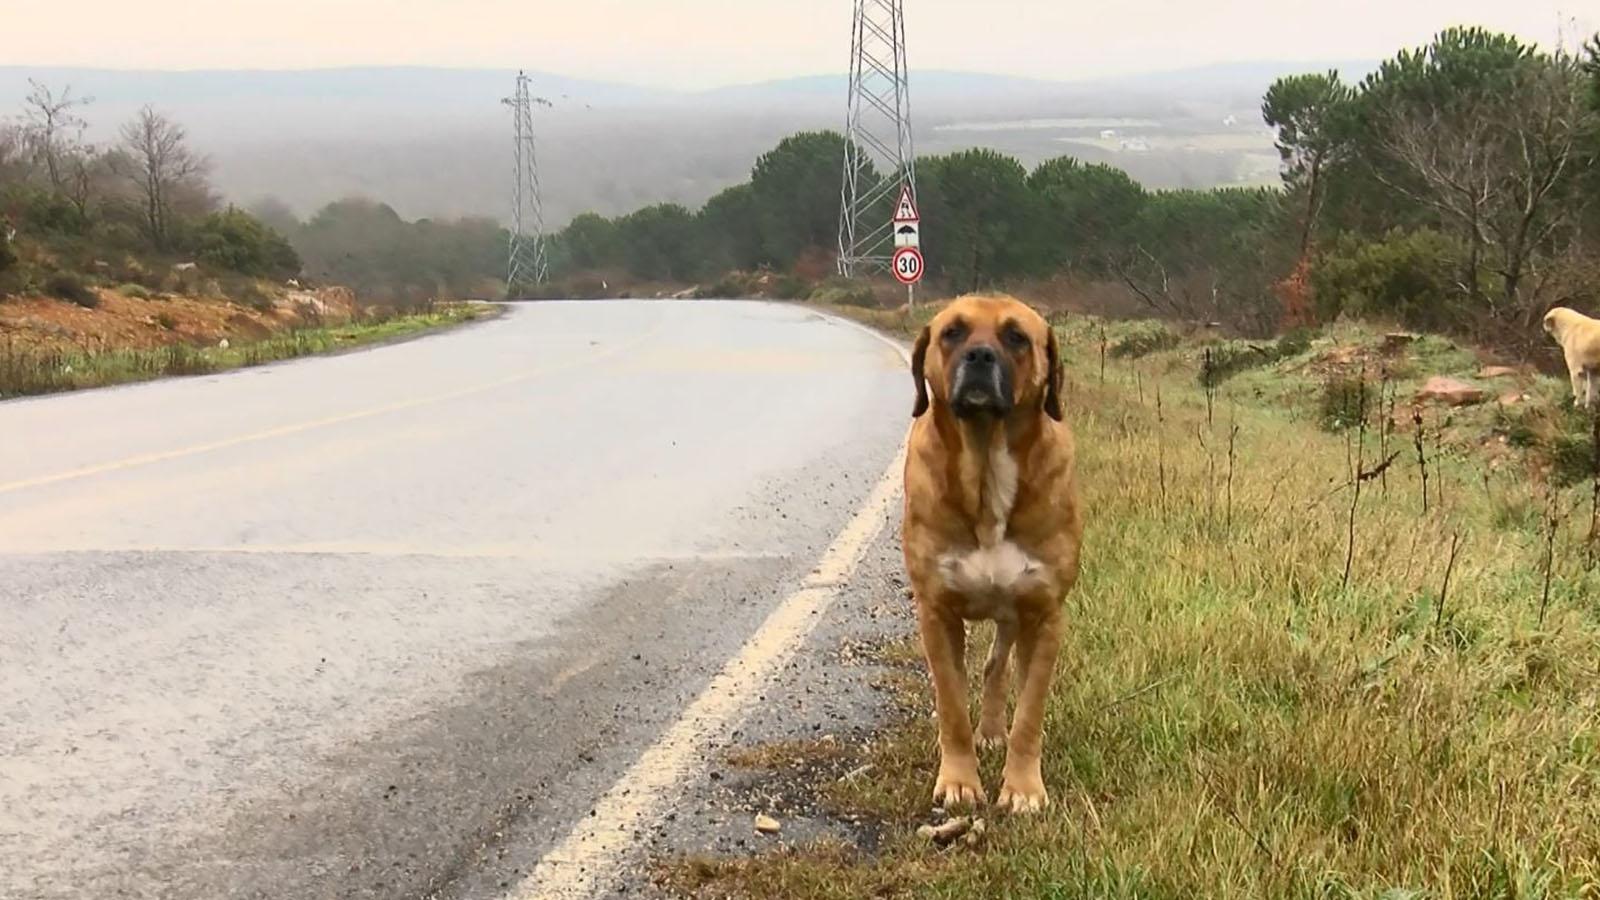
x: 589, y: 857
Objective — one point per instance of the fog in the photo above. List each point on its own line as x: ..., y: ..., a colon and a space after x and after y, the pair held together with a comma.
x: 436, y: 142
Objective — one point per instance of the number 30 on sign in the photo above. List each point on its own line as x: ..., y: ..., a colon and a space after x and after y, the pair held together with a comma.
x: 908, y: 265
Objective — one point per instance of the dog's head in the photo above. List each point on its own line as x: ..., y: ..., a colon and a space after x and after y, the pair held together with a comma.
x: 988, y: 356
x: 1555, y: 319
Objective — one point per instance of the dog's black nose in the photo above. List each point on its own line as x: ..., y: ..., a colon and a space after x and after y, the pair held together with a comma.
x: 982, y: 356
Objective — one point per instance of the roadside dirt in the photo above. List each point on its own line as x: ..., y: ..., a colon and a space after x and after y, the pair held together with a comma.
x: 124, y: 322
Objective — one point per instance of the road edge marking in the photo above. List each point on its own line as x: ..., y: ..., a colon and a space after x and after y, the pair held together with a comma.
x: 591, y: 854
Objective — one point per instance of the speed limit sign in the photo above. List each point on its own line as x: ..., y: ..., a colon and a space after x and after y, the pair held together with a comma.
x: 908, y: 265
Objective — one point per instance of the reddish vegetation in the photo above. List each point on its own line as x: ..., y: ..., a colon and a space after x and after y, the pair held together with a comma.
x: 1295, y: 296
x: 128, y: 322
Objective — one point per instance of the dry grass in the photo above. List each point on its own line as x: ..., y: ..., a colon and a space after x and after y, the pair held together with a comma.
x: 1230, y: 721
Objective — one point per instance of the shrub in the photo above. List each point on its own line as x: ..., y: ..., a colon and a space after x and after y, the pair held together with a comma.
x: 8, y: 256
x: 68, y: 286
x: 136, y: 291
x: 250, y: 294
x: 165, y: 320
x: 239, y: 242
x: 1145, y: 339
x: 1408, y: 275
x: 1345, y: 400
x: 845, y: 292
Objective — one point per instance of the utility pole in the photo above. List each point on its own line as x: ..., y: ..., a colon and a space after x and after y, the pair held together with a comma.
x: 526, y: 265
x: 879, y: 162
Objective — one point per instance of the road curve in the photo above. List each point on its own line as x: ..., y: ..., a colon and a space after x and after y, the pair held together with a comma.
x: 333, y: 628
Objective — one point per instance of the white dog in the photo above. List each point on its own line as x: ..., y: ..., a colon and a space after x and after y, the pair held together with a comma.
x: 1579, y: 337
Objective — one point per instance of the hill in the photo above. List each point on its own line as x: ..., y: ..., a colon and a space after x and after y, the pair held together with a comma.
x: 433, y: 142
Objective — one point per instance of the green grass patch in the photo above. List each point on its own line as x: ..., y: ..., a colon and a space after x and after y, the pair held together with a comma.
x: 1231, y: 718
x: 24, y: 372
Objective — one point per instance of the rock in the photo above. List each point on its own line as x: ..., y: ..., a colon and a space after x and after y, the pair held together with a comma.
x: 1451, y: 391
x: 687, y: 293
x: 767, y: 825
x: 944, y: 835
x: 184, y: 267
x: 1512, y: 398
x: 1496, y: 372
x: 222, y: 344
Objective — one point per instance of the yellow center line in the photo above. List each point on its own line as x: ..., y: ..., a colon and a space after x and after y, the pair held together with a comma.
x: 298, y: 427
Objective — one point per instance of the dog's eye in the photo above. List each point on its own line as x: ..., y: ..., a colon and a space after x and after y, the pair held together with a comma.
x: 953, y: 332
x: 1015, y: 339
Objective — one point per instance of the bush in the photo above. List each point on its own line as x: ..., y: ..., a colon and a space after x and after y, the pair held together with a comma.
x: 1408, y: 275
x: 1145, y: 339
x: 1228, y: 359
x: 8, y: 256
x: 136, y: 291
x: 845, y: 292
x: 165, y: 320
x: 1345, y: 401
x: 68, y: 286
x: 239, y: 242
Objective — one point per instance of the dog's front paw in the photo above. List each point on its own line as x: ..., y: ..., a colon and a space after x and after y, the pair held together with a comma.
x: 1023, y: 790
x: 958, y: 785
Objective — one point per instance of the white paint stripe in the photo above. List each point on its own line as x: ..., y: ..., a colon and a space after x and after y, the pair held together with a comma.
x: 592, y: 853
x: 589, y: 858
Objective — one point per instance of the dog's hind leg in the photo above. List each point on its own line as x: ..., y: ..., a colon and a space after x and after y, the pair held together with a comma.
x: 1588, y: 387
x: 1038, y: 644
x: 992, y: 712
x: 943, y: 643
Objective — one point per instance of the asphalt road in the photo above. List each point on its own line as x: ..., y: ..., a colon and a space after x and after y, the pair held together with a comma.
x: 341, y: 627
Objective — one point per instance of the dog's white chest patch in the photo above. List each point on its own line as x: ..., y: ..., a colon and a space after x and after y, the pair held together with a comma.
x: 999, y: 493
x: 989, y: 579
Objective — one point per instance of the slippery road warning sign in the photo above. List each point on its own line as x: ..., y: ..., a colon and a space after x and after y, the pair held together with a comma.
x: 908, y: 234
x: 908, y: 265
x: 906, y: 209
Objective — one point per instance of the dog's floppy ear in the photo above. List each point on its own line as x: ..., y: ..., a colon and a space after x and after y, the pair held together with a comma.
x: 919, y: 355
x: 1052, y: 384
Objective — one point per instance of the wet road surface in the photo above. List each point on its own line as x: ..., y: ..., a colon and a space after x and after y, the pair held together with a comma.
x: 340, y: 627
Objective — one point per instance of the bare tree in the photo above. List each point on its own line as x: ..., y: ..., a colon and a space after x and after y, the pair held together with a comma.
x: 54, y: 129
x: 1501, y: 169
x: 161, y: 164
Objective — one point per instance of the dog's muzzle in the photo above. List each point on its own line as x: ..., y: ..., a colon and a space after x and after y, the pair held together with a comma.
x: 982, y: 384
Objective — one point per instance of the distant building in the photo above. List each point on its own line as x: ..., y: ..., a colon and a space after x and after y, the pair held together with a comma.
x: 1230, y: 120
x: 1135, y: 145
x: 1109, y: 134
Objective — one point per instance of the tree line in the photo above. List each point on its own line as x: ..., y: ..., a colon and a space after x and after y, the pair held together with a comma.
x: 143, y: 196
x: 1452, y: 188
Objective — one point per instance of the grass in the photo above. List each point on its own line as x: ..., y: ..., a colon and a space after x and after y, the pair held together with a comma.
x: 1230, y: 718
x: 25, y: 371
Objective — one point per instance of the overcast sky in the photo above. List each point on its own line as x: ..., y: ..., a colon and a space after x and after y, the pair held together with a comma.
x: 700, y: 43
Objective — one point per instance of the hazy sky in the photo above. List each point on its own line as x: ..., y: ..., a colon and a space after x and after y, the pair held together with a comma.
x: 697, y: 43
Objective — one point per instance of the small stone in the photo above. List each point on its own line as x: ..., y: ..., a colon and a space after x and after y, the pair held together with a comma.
x: 768, y: 825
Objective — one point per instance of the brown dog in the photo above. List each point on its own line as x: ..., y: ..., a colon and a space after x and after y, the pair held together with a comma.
x: 992, y: 530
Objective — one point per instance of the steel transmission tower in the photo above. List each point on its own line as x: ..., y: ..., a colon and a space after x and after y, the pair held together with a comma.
x: 878, y: 156
x: 526, y: 264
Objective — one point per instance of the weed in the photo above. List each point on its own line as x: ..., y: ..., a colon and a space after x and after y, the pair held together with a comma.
x: 70, y: 287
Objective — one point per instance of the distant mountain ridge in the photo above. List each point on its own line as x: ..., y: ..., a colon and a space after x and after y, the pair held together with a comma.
x: 435, y: 141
